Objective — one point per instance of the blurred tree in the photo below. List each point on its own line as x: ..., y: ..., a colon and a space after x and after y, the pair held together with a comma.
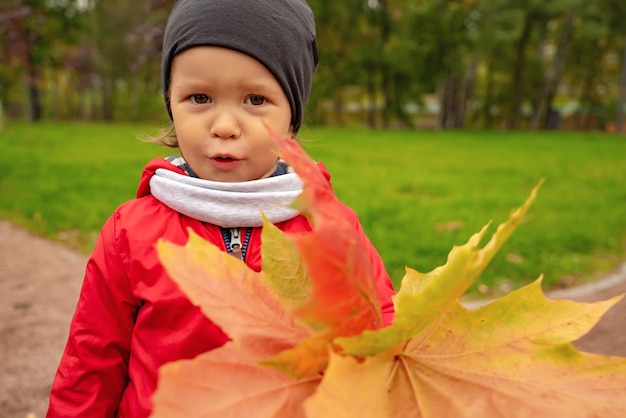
x: 127, y: 36
x: 490, y: 62
x: 533, y: 17
x: 446, y: 32
x: 342, y: 41
x: 621, y: 102
x: 593, y: 64
x: 33, y: 31
x: 554, y: 66
x: 495, y: 60
x: 494, y: 30
x: 616, y: 10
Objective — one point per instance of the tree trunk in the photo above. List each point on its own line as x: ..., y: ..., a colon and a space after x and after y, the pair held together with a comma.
x: 34, y: 105
x: 466, y: 94
x: 449, y: 108
x: 32, y: 87
x: 518, y: 72
x: 338, y: 106
x: 489, y: 96
x: 371, y: 97
x: 619, y: 127
x: 387, y: 95
x: 107, y: 99
x: 399, y: 90
x: 553, y: 75
x: 386, y: 68
x: 1, y: 115
x: 586, y: 96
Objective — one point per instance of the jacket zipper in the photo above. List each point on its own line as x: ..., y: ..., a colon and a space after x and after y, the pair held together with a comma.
x: 235, y: 243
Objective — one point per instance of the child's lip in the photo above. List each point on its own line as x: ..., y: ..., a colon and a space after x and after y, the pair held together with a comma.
x: 224, y: 157
x: 225, y: 161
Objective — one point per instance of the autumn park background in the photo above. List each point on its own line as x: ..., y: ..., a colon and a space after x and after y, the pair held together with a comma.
x: 433, y: 117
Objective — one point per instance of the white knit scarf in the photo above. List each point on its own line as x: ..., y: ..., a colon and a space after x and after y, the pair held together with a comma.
x: 229, y: 205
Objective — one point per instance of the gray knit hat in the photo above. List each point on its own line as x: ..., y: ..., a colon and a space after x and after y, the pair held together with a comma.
x: 280, y: 34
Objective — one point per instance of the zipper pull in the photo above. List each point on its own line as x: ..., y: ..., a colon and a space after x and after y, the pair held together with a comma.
x: 235, y: 243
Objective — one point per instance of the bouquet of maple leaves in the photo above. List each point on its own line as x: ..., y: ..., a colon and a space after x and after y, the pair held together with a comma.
x: 307, y: 337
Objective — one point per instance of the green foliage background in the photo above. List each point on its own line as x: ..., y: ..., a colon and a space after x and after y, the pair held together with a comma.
x: 417, y: 193
x: 383, y: 63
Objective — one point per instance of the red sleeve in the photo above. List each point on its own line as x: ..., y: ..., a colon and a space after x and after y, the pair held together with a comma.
x: 93, y: 372
x: 383, y: 282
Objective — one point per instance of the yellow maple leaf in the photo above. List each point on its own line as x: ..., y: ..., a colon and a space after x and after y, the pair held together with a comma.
x: 510, y: 358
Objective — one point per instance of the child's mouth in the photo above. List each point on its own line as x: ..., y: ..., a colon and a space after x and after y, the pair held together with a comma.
x: 224, y: 162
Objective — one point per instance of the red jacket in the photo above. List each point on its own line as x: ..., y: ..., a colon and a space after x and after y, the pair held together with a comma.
x: 131, y: 318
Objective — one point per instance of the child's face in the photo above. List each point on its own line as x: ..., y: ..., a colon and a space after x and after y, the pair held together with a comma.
x: 222, y: 102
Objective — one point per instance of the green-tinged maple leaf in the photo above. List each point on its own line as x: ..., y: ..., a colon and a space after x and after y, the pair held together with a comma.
x: 511, y: 358
x: 424, y: 297
x: 285, y: 273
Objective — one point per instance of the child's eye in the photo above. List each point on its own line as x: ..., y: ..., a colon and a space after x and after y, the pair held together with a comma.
x: 256, y: 100
x: 199, y: 98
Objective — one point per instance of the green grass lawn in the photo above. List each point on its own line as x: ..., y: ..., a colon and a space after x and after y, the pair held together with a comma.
x: 417, y: 193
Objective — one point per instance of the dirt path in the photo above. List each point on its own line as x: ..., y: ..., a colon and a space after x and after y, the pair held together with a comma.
x: 39, y: 286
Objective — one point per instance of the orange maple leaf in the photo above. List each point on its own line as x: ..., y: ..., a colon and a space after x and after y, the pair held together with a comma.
x: 344, y: 291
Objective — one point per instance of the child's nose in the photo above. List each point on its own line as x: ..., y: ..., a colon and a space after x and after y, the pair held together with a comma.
x: 225, y: 125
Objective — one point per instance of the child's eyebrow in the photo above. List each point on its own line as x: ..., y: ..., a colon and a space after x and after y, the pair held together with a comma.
x: 188, y: 84
x: 260, y: 87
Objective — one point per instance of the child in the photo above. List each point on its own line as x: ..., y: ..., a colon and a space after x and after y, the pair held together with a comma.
x: 231, y: 69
